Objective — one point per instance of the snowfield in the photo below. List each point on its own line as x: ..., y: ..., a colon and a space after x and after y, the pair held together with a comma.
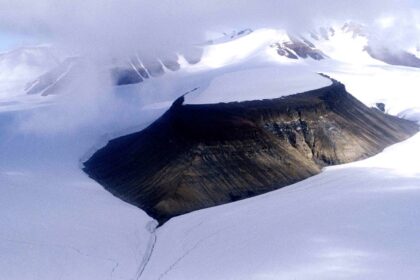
x: 354, y: 221
x: 259, y: 83
x: 56, y: 223
x: 395, y: 86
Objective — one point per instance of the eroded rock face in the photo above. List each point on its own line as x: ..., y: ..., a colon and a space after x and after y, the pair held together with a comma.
x: 198, y: 156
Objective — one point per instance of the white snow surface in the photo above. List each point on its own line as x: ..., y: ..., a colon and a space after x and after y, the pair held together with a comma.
x: 259, y: 83
x: 395, y: 86
x: 245, y: 47
x: 354, y: 221
x: 346, y: 47
x: 56, y: 223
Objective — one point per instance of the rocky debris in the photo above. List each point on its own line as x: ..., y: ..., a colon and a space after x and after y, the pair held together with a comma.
x: 198, y: 156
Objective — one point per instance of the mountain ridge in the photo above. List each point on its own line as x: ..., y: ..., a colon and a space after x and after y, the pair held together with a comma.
x: 198, y: 156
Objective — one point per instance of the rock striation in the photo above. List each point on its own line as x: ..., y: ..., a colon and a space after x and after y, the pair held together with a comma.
x: 198, y: 156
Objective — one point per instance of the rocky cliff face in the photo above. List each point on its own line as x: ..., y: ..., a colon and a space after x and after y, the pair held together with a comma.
x: 198, y: 156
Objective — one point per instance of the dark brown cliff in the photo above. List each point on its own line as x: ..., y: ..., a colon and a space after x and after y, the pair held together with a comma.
x: 198, y: 156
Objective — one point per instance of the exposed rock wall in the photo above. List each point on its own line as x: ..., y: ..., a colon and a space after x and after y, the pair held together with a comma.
x: 198, y: 156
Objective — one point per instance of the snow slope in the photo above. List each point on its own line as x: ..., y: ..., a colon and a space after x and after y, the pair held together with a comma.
x: 395, y: 86
x: 239, y: 49
x: 56, y: 223
x: 347, y: 47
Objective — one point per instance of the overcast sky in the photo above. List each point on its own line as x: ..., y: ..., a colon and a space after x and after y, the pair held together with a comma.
x: 157, y: 27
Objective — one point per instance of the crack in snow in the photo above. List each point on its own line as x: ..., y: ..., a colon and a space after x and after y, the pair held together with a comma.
x: 186, y: 253
x: 151, y: 227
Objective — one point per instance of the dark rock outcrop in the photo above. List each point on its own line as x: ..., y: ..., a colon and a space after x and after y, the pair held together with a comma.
x: 198, y: 156
x: 125, y: 76
x: 137, y: 71
x: 380, y: 106
x: 298, y: 48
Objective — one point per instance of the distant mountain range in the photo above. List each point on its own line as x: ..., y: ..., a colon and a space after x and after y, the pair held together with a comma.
x: 49, y: 71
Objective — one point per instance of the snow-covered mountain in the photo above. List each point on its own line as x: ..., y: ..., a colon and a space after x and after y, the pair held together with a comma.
x: 347, y: 222
x: 195, y: 157
x: 349, y: 42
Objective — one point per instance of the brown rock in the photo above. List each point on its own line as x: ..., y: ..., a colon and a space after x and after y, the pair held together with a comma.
x: 198, y: 156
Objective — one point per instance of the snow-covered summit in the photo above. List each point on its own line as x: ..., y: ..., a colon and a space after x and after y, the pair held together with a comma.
x: 259, y: 83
